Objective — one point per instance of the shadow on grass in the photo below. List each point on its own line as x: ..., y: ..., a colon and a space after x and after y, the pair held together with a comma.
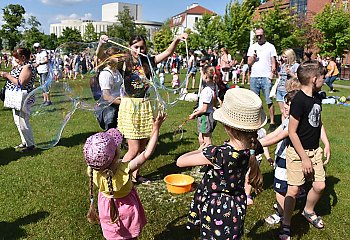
x: 177, y: 232
x: 75, y: 139
x: 10, y: 154
x: 13, y: 230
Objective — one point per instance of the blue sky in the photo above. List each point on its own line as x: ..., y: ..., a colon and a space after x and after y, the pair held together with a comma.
x: 52, y: 11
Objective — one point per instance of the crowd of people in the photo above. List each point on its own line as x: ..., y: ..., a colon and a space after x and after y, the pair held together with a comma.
x: 220, y: 201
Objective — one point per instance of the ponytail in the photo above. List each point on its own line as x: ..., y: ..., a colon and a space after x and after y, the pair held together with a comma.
x: 92, y: 215
x: 113, y: 209
x: 255, y: 177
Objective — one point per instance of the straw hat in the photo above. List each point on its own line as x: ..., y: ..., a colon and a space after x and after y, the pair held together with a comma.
x: 241, y: 109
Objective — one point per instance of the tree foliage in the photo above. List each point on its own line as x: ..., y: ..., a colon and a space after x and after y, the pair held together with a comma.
x: 236, y: 25
x: 206, y: 31
x: 163, y: 37
x: 334, y: 24
x: 90, y: 34
x: 125, y: 28
x: 281, y: 27
x: 70, y: 35
x: 13, y: 17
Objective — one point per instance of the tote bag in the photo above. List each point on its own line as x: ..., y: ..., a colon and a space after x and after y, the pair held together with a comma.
x: 15, y: 97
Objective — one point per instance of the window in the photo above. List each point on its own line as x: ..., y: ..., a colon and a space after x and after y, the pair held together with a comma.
x: 299, y: 5
x: 196, y: 19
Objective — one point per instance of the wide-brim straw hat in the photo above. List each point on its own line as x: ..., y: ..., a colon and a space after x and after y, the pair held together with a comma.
x: 242, y: 110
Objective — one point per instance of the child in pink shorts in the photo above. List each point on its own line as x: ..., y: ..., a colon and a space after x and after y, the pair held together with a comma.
x: 120, y: 211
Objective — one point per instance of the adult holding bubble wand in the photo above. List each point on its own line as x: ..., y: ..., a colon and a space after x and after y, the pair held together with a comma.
x: 135, y: 111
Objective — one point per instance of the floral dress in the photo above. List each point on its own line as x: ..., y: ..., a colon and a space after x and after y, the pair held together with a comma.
x: 219, y: 203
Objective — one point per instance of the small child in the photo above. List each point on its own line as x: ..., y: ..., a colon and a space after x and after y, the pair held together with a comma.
x: 304, y: 154
x: 219, y: 204
x: 205, y: 110
x: 121, y: 214
x: 280, y: 136
x: 175, y: 83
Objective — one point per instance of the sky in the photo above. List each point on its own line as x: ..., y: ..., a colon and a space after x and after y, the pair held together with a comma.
x: 53, y: 11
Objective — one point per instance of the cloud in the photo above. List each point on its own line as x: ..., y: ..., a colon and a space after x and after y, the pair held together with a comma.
x: 62, y: 2
x: 59, y: 17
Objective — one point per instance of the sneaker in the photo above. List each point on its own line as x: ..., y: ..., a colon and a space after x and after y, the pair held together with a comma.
x: 28, y: 149
x: 48, y: 103
x: 331, y: 91
x: 20, y: 146
x: 273, y: 219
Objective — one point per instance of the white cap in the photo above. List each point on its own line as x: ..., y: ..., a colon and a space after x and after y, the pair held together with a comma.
x: 36, y: 45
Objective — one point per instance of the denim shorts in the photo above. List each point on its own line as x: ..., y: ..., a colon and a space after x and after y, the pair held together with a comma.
x: 43, y: 79
x: 264, y: 84
x: 280, y: 94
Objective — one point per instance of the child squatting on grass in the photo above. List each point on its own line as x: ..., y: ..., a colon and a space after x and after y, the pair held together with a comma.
x: 120, y: 211
x: 304, y: 154
x: 219, y: 203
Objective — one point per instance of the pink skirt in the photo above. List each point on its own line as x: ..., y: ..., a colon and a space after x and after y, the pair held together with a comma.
x: 131, y: 217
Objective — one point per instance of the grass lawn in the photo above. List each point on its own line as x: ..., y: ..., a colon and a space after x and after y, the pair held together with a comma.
x: 44, y: 195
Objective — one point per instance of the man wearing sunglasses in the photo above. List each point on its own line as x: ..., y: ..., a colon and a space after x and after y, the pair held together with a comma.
x: 262, y: 60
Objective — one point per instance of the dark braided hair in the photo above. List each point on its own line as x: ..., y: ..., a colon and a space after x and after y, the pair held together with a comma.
x: 113, y: 209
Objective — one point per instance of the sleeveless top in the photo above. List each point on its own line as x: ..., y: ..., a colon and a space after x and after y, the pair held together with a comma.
x: 29, y: 86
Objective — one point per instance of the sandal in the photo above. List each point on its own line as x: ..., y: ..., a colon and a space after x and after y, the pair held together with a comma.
x: 141, y: 180
x: 284, y: 232
x: 20, y: 146
x: 312, y: 218
x: 273, y: 219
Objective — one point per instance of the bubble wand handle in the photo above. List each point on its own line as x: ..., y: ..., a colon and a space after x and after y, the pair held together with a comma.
x: 121, y: 45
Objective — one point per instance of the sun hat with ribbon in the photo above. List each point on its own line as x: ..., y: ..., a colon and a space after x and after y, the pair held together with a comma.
x: 100, y: 148
x: 242, y: 110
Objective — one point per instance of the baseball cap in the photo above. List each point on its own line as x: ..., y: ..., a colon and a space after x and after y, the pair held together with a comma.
x: 36, y: 45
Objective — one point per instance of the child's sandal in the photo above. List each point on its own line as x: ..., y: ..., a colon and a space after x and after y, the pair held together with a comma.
x: 312, y: 218
x: 284, y: 232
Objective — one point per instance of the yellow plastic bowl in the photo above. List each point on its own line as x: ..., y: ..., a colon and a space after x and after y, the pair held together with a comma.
x: 178, y: 183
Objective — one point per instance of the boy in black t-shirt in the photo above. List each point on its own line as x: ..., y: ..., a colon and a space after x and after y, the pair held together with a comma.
x: 304, y: 155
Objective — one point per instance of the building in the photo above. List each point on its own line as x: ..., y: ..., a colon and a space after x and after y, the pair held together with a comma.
x: 188, y: 18
x: 110, y: 12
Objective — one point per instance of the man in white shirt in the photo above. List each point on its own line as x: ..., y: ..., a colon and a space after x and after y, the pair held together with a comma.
x: 262, y: 60
x: 41, y: 64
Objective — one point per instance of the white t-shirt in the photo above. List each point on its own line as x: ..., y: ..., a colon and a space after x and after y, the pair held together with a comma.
x: 206, y: 96
x: 42, y: 57
x: 109, y: 81
x: 262, y: 67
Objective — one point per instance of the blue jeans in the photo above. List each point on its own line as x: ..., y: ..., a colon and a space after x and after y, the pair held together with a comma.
x: 43, y: 79
x: 329, y: 81
x: 264, y: 84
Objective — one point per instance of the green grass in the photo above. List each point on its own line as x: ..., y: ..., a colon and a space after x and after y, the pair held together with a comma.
x: 44, y: 195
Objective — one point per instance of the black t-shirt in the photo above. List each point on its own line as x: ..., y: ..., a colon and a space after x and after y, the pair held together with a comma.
x: 308, y: 111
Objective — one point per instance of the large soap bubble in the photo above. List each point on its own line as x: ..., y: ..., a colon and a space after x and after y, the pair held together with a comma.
x: 73, y: 83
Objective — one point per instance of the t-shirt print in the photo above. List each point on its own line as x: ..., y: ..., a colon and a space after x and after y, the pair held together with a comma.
x: 314, y: 115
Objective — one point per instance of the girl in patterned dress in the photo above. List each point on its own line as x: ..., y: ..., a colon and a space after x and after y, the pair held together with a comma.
x: 23, y: 75
x: 219, y: 204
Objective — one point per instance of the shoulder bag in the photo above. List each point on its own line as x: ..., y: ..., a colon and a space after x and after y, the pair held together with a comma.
x: 15, y: 97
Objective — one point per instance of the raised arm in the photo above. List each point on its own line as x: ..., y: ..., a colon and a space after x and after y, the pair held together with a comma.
x: 137, y: 162
x: 100, y: 53
x: 170, y: 50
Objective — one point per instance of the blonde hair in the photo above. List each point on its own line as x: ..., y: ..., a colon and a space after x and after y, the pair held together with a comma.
x: 290, y: 55
x: 293, y: 84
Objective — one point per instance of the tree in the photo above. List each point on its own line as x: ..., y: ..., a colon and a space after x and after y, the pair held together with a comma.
x: 70, y: 35
x: 334, y: 24
x: 281, y: 27
x: 90, y: 34
x: 13, y: 18
x: 236, y: 25
x: 126, y: 27
x: 31, y: 32
x: 207, y: 28
x: 163, y: 37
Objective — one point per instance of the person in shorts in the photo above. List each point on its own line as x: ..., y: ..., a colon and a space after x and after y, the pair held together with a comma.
x: 304, y: 154
x: 205, y: 110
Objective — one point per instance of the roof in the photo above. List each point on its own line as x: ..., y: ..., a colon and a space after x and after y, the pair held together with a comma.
x: 270, y: 4
x: 178, y: 19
